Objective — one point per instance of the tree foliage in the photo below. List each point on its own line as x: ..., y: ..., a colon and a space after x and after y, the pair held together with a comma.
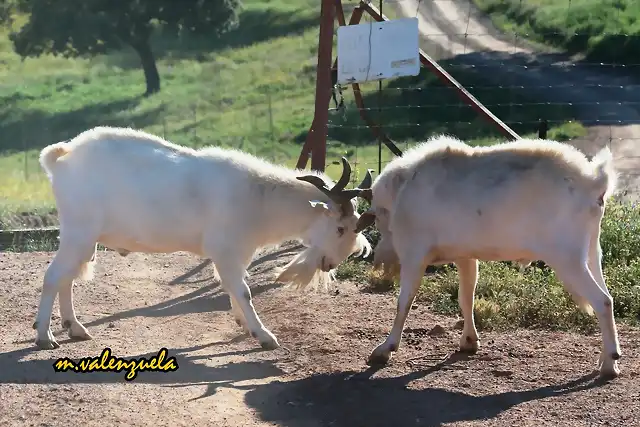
x: 75, y: 28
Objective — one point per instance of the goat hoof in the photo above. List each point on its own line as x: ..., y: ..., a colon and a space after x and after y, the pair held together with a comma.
x: 47, y: 344
x: 76, y: 331
x: 269, y: 345
x: 379, y: 356
x: 79, y: 335
x: 609, y: 374
x: 469, y: 350
x: 608, y: 368
x: 468, y: 346
x: 377, y: 360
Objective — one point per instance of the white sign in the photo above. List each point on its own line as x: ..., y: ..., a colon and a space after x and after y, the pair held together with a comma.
x: 378, y: 50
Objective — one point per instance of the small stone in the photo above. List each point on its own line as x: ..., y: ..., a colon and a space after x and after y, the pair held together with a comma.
x: 500, y: 373
x: 437, y: 330
x: 459, y: 325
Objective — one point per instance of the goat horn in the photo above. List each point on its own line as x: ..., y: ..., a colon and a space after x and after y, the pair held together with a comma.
x: 367, y: 181
x: 346, y: 176
x: 350, y: 194
x: 316, y: 181
x: 319, y: 183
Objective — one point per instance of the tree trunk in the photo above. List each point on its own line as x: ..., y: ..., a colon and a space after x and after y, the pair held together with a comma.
x: 148, y: 61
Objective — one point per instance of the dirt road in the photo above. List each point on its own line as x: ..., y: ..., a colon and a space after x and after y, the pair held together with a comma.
x: 139, y: 304
x: 455, y: 28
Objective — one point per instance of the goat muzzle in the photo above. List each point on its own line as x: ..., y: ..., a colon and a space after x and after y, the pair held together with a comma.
x: 326, y: 266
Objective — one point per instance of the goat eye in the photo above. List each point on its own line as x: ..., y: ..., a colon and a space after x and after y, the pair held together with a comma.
x: 340, y: 231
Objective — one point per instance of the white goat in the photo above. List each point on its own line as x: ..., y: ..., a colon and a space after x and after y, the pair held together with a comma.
x: 444, y: 201
x: 135, y: 192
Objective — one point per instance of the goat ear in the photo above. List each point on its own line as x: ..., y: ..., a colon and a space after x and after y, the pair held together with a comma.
x: 325, y: 208
x: 366, y: 219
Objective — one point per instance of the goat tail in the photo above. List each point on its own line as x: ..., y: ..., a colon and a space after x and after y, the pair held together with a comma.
x: 605, y: 176
x: 50, y: 155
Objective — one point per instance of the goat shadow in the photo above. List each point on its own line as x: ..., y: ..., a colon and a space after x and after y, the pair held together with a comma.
x: 353, y: 399
x: 192, y: 370
x: 204, y: 299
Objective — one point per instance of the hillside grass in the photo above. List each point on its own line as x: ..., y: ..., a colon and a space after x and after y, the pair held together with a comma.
x: 603, y: 30
x: 507, y: 298
x: 253, y: 89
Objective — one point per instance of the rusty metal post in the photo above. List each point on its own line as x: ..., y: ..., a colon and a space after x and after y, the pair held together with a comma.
x: 317, y: 137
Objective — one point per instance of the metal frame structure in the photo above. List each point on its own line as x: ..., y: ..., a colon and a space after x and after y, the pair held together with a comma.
x: 316, y: 141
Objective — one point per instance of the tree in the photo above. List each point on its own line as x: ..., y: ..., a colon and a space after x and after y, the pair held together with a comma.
x: 74, y: 28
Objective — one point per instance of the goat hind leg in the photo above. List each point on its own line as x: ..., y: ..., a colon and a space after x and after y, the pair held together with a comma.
x: 76, y: 330
x: 579, y: 279
x: 606, y: 365
x: 65, y: 266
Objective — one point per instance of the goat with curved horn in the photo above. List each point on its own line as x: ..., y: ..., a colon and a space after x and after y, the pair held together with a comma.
x: 337, y: 193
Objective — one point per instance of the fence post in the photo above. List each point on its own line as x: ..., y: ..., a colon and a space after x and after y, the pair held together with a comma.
x: 270, y: 116
x: 543, y: 127
x: 25, y: 147
x: 195, y: 125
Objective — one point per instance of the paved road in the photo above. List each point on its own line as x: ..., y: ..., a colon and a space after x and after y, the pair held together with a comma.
x: 455, y: 28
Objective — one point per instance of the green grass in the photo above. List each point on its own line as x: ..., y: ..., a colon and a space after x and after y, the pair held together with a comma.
x: 603, y: 30
x: 252, y: 89
x: 507, y: 298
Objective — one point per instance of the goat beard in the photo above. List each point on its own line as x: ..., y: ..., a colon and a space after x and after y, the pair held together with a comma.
x: 303, y: 271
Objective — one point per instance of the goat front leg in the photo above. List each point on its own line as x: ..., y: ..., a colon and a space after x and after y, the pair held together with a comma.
x: 411, y: 272
x: 237, y: 315
x: 468, y: 273
x: 232, y: 275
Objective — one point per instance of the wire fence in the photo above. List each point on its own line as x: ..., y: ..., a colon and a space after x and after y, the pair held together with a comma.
x: 590, y: 100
